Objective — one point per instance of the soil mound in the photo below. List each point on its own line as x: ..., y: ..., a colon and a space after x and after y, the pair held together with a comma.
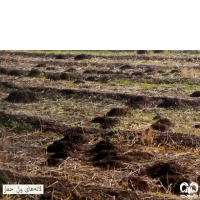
x: 42, y: 64
x: 195, y: 94
x: 139, y: 101
x: 162, y: 125
x: 90, y: 71
x: 149, y: 71
x: 106, y: 154
x: 158, y: 51
x: 175, y: 71
x: 167, y: 103
x: 91, y: 78
x: 141, y: 51
x: 126, y: 66
x: 164, y: 169
x: 82, y: 57
x: 197, y: 126
x: 117, y: 112
x: 3, y: 70
x: 22, y: 97
x: 53, y: 77
x: 106, y: 122
x: 104, y: 79
x: 34, y: 73
x: 60, y: 56
x: 16, y: 72
x: 137, y: 73
x: 63, y: 76
x: 50, y: 68
x: 66, y: 147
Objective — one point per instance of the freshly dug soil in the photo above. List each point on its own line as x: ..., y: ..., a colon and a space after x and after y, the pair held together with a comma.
x: 16, y: 72
x: 117, y: 112
x: 170, y: 102
x: 162, y: 125
x: 82, y: 57
x: 195, y: 94
x: 34, y: 73
x: 22, y: 97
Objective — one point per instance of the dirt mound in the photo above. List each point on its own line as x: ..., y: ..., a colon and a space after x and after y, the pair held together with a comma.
x: 161, y: 169
x: 175, y: 71
x: 195, y: 94
x: 141, y: 156
x: 71, y: 70
x: 41, y: 64
x: 91, y: 78
x: 139, y: 101
x: 53, y: 77
x: 66, y: 146
x: 16, y: 72
x: 162, y: 125
x: 149, y: 71
x: 137, y: 73
x: 50, y: 68
x: 126, y: 66
x: 197, y: 126
x: 161, y: 71
x: 135, y: 183
x: 104, y: 79
x: 63, y: 76
x: 106, y: 72
x: 170, y: 102
x: 3, y: 70
x: 90, y: 71
x: 34, y: 73
x: 117, y: 112
x: 106, y: 122
x: 125, y: 195
x: 141, y: 51
x: 22, y: 97
x: 158, y: 51
x: 60, y: 56
x: 106, y: 154
x: 82, y: 57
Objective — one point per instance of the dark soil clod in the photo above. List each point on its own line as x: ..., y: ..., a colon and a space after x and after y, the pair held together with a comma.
x: 16, y: 72
x: 90, y: 71
x: 66, y: 146
x: 22, y: 97
x: 125, y: 67
x: 3, y: 70
x: 141, y: 51
x: 117, y: 112
x: 106, y: 122
x: 175, y: 71
x: 139, y: 101
x: 42, y: 64
x: 163, y: 169
x: 137, y: 73
x: 197, y: 126
x: 91, y: 78
x: 195, y: 94
x: 162, y: 125
x: 106, y: 154
x: 167, y: 103
x: 63, y: 76
x: 53, y: 77
x: 82, y: 57
x: 60, y: 56
x: 158, y: 51
x: 34, y: 73
x: 50, y: 68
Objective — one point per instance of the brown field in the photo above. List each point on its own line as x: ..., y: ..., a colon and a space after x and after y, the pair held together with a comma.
x: 100, y: 125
